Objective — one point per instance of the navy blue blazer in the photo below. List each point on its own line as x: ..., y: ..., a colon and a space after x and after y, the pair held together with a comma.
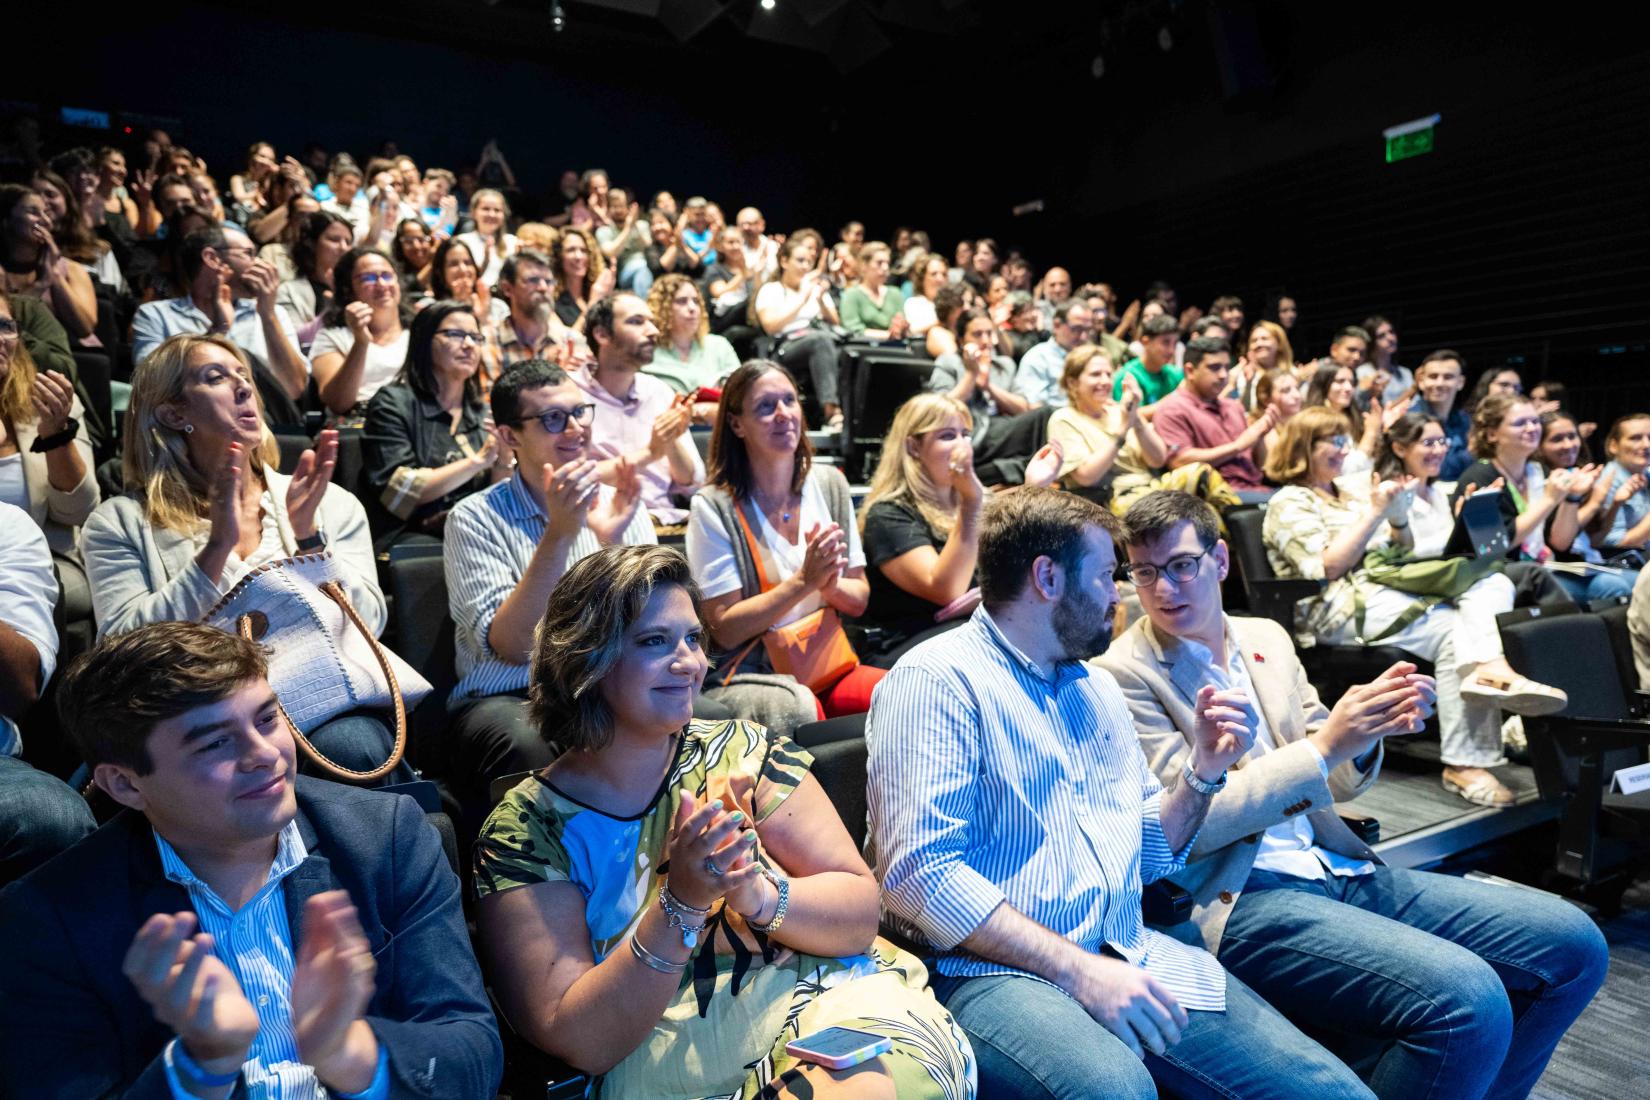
x: 72, y: 1025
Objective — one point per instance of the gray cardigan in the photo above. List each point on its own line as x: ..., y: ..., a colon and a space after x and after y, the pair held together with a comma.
x: 837, y: 498
x: 59, y: 514
x: 141, y: 574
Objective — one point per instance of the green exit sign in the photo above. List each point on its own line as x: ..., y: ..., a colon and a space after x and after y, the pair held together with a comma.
x: 1410, y: 139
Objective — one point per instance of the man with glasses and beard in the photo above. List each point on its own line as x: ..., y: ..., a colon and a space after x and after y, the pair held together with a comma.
x: 1016, y: 818
x: 532, y: 330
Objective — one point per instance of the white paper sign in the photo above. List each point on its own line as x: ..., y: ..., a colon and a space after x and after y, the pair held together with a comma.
x: 1632, y: 780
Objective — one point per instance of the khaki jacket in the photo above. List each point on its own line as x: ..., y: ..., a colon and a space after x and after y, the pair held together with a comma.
x: 1160, y: 677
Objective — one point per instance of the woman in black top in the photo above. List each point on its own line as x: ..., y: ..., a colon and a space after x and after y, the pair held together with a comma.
x: 426, y: 443
x: 921, y: 528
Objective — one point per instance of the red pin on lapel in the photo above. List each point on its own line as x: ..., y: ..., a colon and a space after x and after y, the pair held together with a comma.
x: 1259, y: 660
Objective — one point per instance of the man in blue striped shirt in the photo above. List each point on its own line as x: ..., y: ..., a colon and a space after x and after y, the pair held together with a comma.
x: 236, y: 930
x: 1015, y: 820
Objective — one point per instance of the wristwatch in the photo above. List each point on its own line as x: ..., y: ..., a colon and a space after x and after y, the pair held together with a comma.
x: 317, y: 541
x: 1201, y: 786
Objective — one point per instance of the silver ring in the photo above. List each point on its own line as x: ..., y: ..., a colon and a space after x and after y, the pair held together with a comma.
x: 711, y: 868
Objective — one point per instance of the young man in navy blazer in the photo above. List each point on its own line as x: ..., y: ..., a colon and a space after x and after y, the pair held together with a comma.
x: 237, y: 930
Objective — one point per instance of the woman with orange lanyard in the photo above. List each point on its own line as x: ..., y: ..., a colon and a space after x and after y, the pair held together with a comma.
x: 773, y: 541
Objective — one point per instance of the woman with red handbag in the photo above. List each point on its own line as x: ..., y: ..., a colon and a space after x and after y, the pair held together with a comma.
x: 775, y: 547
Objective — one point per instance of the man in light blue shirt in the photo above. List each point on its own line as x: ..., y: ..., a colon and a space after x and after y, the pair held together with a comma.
x: 1015, y: 820
x: 236, y: 930
x: 231, y: 292
x: 1285, y: 895
x: 1038, y: 379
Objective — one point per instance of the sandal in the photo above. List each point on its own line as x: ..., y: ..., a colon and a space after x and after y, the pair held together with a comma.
x: 1519, y: 695
x: 1486, y: 790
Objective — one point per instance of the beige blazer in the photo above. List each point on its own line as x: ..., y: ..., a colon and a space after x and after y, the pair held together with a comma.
x: 59, y: 514
x: 1160, y: 677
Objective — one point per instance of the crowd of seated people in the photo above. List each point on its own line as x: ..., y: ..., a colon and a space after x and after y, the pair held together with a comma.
x: 540, y: 405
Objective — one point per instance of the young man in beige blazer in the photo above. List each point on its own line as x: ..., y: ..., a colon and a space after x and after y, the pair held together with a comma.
x: 1444, y: 971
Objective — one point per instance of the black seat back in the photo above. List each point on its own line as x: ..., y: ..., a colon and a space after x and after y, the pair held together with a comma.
x: 876, y: 381
x: 1571, y: 652
x: 421, y: 633
x: 840, y: 767
x: 1614, y: 618
x: 1244, y: 525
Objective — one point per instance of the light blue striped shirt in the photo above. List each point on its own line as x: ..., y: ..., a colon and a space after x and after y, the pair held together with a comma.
x: 991, y: 783
x: 490, y: 539
x: 255, y: 943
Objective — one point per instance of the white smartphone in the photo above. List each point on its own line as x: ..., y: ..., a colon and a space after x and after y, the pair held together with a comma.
x: 838, y: 1047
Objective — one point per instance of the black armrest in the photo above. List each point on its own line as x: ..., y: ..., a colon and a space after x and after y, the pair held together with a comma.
x: 1275, y: 598
x: 1595, y: 734
x: 1163, y: 903
x: 1639, y: 704
x: 1366, y: 829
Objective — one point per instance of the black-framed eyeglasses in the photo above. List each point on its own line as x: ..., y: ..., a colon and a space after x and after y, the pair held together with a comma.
x: 555, y: 421
x: 460, y: 336
x: 1180, y: 568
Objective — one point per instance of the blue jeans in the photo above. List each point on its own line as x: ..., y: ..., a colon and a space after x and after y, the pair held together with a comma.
x: 358, y: 740
x: 635, y: 275
x: 1596, y: 586
x: 1033, y: 1041
x: 1471, y: 983
x: 40, y: 815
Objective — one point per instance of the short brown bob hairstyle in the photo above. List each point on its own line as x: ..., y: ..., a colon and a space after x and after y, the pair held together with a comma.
x: 582, y: 634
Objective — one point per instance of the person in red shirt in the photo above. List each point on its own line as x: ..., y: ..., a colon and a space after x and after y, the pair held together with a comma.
x: 1200, y: 425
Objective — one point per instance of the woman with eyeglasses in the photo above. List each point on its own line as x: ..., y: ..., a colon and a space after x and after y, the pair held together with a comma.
x: 364, y: 343
x: 1319, y: 527
x: 427, y: 442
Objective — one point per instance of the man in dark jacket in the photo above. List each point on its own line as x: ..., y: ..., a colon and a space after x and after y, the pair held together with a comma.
x: 236, y: 928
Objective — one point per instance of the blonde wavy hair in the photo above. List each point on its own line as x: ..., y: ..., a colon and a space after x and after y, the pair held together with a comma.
x: 16, y: 406
x: 1290, y: 461
x: 155, y: 461
x: 1286, y: 351
x: 900, y: 477
x: 658, y: 304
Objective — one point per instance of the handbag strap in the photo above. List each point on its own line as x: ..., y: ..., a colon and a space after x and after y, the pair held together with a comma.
x: 333, y: 769
x: 761, y: 581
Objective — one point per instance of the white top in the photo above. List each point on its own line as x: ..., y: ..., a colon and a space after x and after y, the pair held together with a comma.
x: 28, y: 592
x: 14, y: 488
x: 777, y: 296
x: 710, y: 550
x: 919, y: 313
x: 478, y: 246
x: 384, y: 361
x: 1290, y: 847
x: 1431, y: 522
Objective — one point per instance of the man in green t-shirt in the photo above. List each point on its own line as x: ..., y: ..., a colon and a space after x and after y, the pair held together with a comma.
x: 1155, y: 369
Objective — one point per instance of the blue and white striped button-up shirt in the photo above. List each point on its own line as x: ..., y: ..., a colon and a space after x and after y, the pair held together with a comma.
x: 991, y: 783
x: 255, y: 943
x: 490, y: 538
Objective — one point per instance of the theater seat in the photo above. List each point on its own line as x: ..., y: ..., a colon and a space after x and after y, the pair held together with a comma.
x: 1576, y: 751
x: 420, y: 631
x: 876, y: 379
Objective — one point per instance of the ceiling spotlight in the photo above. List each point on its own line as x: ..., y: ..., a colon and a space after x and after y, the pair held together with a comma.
x: 1097, y: 68
x: 767, y: 5
x: 1165, y: 40
x: 558, y: 16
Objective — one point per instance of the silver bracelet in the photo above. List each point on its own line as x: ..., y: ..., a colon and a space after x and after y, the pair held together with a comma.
x: 652, y: 961
x: 679, y: 914
x: 783, y: 885
x: 1200, y: 785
